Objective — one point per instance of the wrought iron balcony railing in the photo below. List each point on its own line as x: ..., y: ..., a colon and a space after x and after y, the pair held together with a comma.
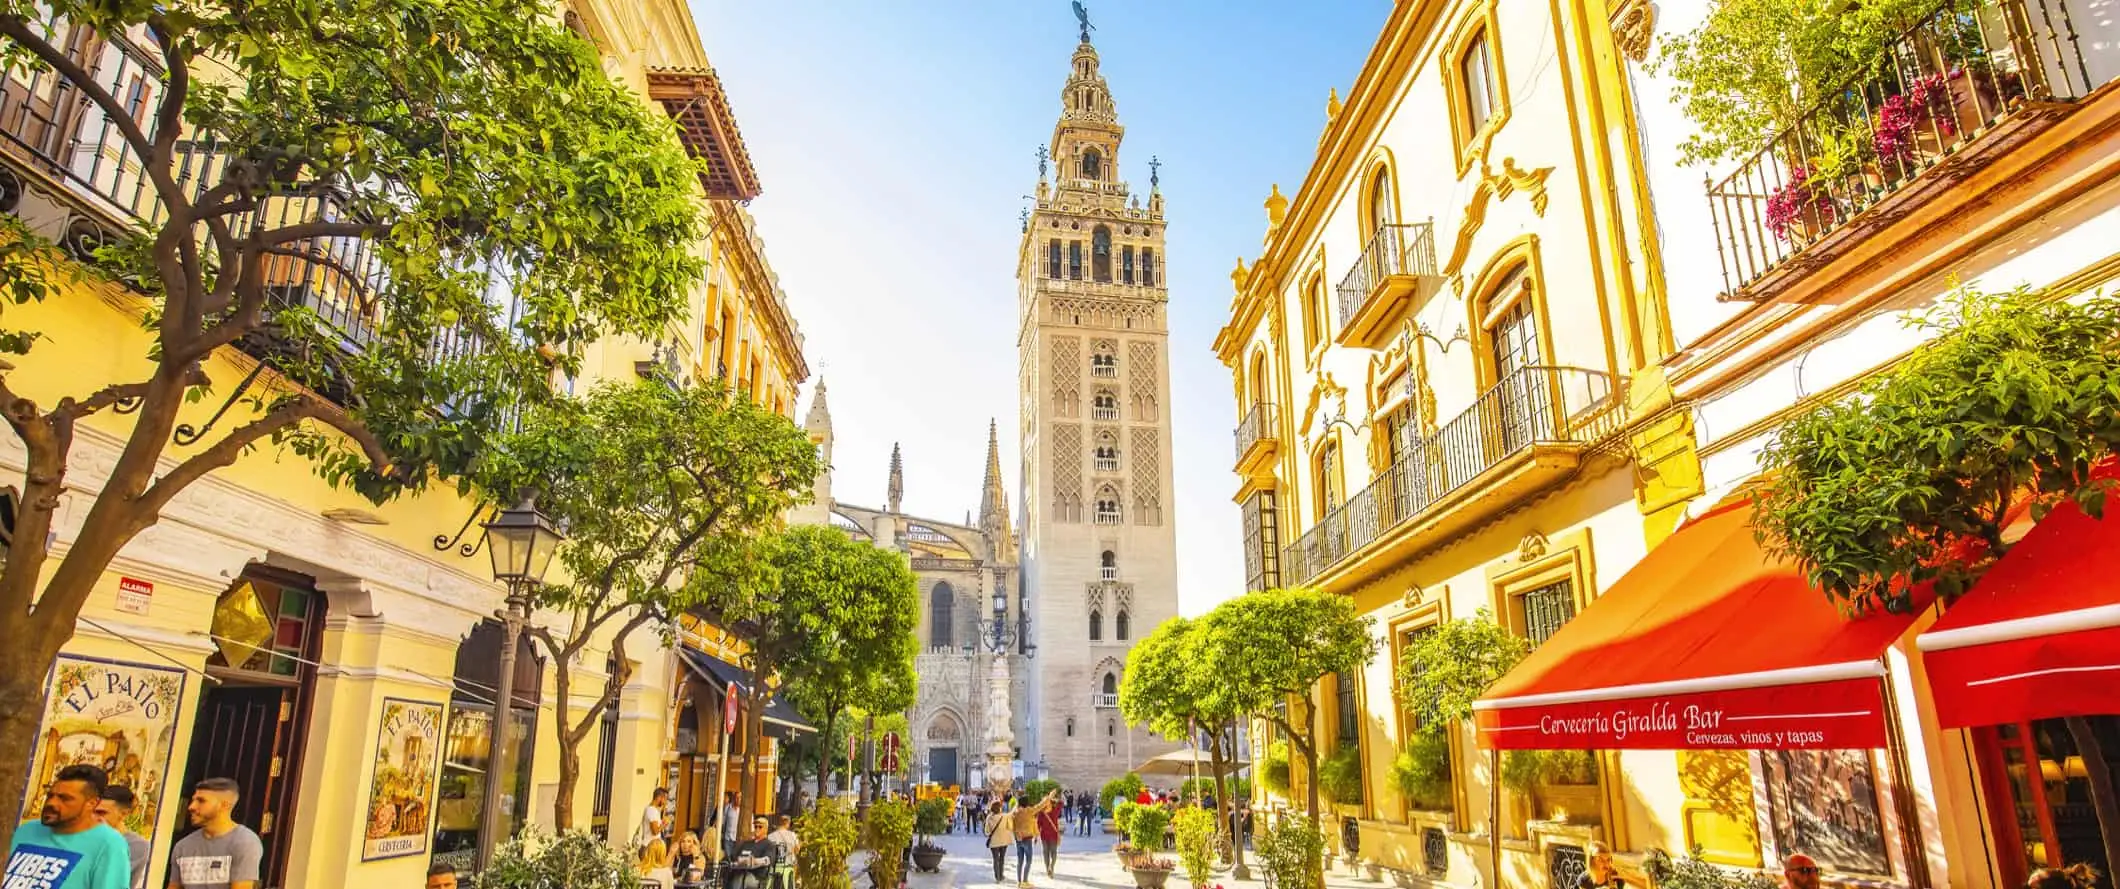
x: 1258, y: 425
x: 1531, y: 406
x: 1861, y: 157
x: 1391, y: 266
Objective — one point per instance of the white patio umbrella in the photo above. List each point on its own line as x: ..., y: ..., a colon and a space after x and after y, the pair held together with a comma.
x: 1187, y: 761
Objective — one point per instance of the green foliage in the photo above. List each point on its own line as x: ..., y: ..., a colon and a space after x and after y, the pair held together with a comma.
x: 1239, y: 787
x: 933, y: 816
x: 1524, y: 770
x: 1124, y: 787
x: 1912, y: 479
x: 1194, y: 832
x: 1340, y: 776
x: 1692, y: 872
x: 1123, y: 816
x: 1264, y: 647
x: 828, y: 837
x: 1171, y: 683
x: 1447, y: 668
x: 533, y: 860
x: 651, y: 482
x: 1035, y: 790
x: 1421, y: 772
x: 1204, y: 787
x: 1753, y: 67
x: 1275, y: 771
x: 1292, y: 850
x: 1145, y: 830
x: 887, y: 833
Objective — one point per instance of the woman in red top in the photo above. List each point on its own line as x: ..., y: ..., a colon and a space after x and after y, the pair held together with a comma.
x: 1049, y: 835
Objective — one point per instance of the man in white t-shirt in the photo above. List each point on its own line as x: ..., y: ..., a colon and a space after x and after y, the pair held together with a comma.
x: 651, y: 818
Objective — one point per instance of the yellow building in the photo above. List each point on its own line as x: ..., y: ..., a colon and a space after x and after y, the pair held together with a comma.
x: 1499, y: 345
x: 335, y: 657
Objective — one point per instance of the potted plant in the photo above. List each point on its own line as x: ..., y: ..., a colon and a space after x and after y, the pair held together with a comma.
x: 534, y: 858
x: 1421, y: 771
x: 1274, y: 771
x: 1340, y: 776
x: 1291, y: 850
x: 828, y: 836
x: 1150, y: 871
x: 1800, y: 209
x: 889, y: 831
x: 930, y: 818
x: 1195, y: 831
x: 1145, y: 830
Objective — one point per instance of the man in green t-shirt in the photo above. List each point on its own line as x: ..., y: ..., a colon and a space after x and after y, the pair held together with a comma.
x: 68, y: 847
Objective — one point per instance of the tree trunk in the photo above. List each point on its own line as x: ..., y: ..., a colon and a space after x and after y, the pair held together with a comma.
x: 824, y: 757
x: 570, y: 759
x: 754, y: 723
x: 2101, y: 777
x: 1310, y: 756
x: 21, y: 711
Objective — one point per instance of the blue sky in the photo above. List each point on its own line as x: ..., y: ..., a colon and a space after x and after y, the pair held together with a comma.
x: 895, y: 143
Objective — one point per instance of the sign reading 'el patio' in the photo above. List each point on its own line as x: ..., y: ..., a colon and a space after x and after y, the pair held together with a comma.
x: 1835, y: 715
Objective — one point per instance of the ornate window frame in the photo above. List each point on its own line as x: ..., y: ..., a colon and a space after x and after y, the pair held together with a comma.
x: 1487, y: 305
x: 1474, y: 144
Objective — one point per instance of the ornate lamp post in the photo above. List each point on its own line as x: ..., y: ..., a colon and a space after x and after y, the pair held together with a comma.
x: 999, y: 637
x: 521, y: 542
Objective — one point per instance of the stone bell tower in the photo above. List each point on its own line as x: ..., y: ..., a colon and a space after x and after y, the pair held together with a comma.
x: 1099, y: 550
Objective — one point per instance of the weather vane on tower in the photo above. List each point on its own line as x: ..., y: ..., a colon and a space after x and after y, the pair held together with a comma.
x: 1082, y: 18
x: 1155, y: 171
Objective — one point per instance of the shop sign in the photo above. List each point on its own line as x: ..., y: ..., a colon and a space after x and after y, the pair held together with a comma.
x: 134, y: 595
x: 401, y: 795
x: 121, y: 717
x: 1834, y: 715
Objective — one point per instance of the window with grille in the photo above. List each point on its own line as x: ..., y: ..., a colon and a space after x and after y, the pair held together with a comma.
x: 1148, y: 266
x: 1262, y: 543
x: 1052, y: 258
x: 1515, y: 334
x: 606, y: 766
x: 1074, y: 260
x: 1546, y: 609
x: 1350, y: 714
x: 1407, y: 641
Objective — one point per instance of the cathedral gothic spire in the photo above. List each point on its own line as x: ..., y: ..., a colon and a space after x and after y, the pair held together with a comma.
x: 993, y: 499
x: 897, y: 491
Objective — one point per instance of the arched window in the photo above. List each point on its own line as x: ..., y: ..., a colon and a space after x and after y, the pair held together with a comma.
x: 1100, y: 254
x: 1259, y: 394
x: 1096, y: 626
x: 1074, y: 260
x: 942, y: 605
x: 1070, y: 726
x: 1104, y: 361
x: 1514, y: 351
x: 1111, y: 728
x: 1111, y: 684
x: 1329, y: 493
x: 1122, y: 625
x: 1109, y: 565
x: 1052, y: 258
x: 1107, y: 453
x: 1126, y: 263
x: 1148, y: 266
x: 1476, y: 77
x: 1380, y: 209
x: 1313, y: 313
x: 1092, y: 164
x: 1107, y: 506
x: 1105, y: 406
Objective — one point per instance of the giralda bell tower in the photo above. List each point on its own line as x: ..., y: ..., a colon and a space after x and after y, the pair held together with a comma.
x: 1099, y: 550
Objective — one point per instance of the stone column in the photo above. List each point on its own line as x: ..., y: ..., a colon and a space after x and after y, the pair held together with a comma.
x: 1000, y: 773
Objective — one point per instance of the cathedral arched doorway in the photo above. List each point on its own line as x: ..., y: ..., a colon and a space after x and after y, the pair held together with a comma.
x: 945, y: 738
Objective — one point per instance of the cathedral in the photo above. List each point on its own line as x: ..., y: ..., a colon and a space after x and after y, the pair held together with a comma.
x: 1099, y: 553
x: 963, y: 569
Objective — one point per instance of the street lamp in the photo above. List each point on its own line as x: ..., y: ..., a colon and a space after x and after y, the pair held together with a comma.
x: 521, y: 542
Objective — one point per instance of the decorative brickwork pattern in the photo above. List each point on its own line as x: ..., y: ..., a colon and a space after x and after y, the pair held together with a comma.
x: 1141, y: 373
x: 1066, y: 371
x: 1067, y: 473
x: 1148, y: 478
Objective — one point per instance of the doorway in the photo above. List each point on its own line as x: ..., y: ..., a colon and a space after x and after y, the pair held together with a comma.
x: 254, y: 717
x: 942, y: 765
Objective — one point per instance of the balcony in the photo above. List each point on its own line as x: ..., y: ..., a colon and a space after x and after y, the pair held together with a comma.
x: 1106, y: 702
x: 1526, y: 433
x: 1396, y: 269
x: 1258, y: 438
x: 1951, y: 95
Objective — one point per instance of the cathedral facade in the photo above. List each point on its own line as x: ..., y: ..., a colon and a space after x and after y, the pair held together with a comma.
x: 961, y: 568
x: 1099, y: 550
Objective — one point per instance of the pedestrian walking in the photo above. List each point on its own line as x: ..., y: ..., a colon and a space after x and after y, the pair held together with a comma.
x: 1049, y: 833
x: 221, y: 854
x: 1000, y: 833
x: 68, y: 846
x: 116, y: 806
x: 1024, y: 820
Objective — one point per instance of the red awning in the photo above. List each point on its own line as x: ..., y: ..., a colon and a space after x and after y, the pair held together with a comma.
x: 1707, y: 643
x: 2039, y: 635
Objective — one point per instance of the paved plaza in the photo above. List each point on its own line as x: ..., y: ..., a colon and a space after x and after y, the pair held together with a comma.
x: 1084, y: 862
